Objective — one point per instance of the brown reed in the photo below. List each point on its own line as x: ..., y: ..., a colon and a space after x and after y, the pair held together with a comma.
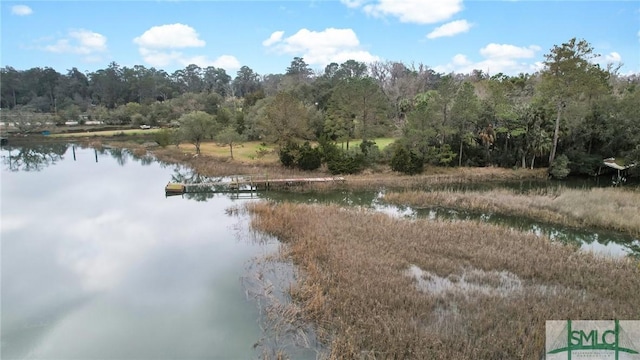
x: 497, y: 286
x: 607, y: 208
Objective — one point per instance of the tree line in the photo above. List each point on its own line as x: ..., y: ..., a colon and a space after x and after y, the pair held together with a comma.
x: 572, y: 113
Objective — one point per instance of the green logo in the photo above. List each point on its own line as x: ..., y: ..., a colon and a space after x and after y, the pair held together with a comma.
x: 589, y: 339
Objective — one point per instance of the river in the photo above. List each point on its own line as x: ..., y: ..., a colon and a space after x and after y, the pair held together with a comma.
x: 98, y: 263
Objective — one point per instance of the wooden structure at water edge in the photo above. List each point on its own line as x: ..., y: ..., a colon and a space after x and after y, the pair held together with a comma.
x: 240, y: 183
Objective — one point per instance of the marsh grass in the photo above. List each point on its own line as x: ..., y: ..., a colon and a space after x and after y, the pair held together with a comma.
x: 357, y: 287
x: 606, y: 208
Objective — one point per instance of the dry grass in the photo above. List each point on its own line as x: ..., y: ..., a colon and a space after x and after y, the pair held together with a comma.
x: 248, y: 152
x: 607, y: 208
x: 439, y: 176
x: 380, y: 287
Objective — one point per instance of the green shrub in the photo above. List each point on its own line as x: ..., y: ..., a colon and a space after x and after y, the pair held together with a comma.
x: 163, y: 137
x: 309, y: 158
x: 262, y: 151
x: 559, y: 168
x: 345, y: 162
x: 303, y: 157
x: 328, y: 149
x: 440, y: 155
x: 581, y: 163
x: 288, y: 154
x: 406, y: 160
x: 371, y: 152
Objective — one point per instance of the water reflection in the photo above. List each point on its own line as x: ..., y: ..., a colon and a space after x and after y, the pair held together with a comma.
x: 97, y: 263
x: 34, y: 157
x: 189, y: 176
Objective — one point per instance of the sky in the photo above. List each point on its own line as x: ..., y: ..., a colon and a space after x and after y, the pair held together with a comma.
x: 508, y: 36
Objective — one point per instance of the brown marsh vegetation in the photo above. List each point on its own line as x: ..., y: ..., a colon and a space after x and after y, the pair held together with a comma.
x: 375, y: 286
x: 607, y: 208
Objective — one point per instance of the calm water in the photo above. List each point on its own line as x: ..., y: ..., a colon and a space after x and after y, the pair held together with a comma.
x: 98, y: 263
x: 607, y: 243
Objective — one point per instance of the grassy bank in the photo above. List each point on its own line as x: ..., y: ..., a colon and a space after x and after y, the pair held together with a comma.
x: 381, y: 287
x: 209, y: 164
x: 607, y: 208
x: 106, y: 133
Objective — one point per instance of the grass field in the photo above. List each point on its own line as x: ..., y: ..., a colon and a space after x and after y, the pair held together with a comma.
x: 254, y: 150
x: 251, y: 150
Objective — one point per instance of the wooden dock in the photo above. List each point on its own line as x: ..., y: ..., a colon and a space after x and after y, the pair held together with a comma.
x: 245, y: 183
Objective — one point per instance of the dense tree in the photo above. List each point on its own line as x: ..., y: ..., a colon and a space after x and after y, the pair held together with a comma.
x: 246, y: 82
x: 351, y: 69
x: 285, y: 119
x: 217, y: 80
x: 74, y: 88
x: 10, y: 87
x: 421, y: 129
x: 401, y: 84
x: 360, y: 101
x: 447, y: 89
x: 299, y: 69
x: 107, y: 86
x: 465, y: 114
x: 569, y: 76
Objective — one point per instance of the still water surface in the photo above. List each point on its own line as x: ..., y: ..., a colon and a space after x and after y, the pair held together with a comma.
x: 98, y: 263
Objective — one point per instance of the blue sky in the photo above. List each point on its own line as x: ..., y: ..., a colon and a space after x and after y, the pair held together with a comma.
x: 446, y: 35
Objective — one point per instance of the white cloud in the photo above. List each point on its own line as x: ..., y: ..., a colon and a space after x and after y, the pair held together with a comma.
x: 450, y: 29
x: 322, y: 47
x: 613, y: 57
x: 159, y: 46
x: 353, y: 3
x: 502, y: 51
x: 89, y: 41
x: 227, y: 62
x: 171, y: 36
x: 80, y: 42
x: 21, y: 10
x: 415, y: 11
x: 460, y: 60
x: 504, y: 58
x: 160, y: 58
x: 163, y: 58
x: 274, y: 38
